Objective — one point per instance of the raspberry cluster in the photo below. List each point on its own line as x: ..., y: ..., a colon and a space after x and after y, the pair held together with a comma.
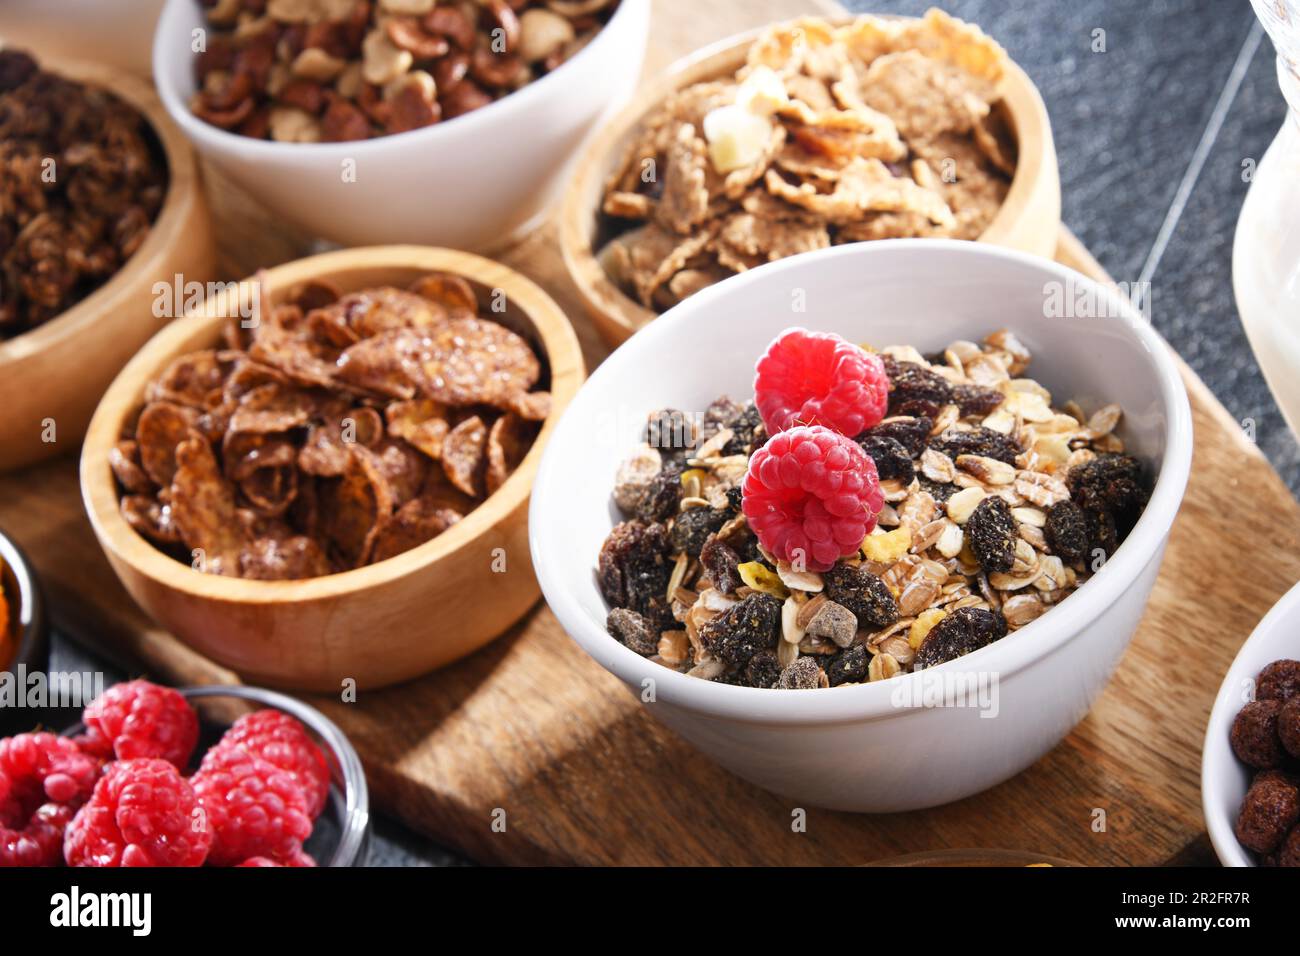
x: 118, y: 795
x: 812, y: 494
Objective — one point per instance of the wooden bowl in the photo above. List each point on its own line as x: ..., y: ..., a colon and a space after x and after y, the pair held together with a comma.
x: 1028, y: 219
x: 376, y: 625
x: 56, y: 372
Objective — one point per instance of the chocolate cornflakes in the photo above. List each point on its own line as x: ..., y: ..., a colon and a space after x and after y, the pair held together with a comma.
x: 877, y: 129
x: 82, y: 178
x: 347, y: 429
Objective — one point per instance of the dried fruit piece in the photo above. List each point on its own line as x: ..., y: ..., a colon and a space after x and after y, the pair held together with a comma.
x: 763, y: 670
x: 803, y: 674
x: 992, y: 535
x: 835, y: 623
x: 910, y: 383
x: 964, y: 630
x: 749, y: 626
x: 976, y: 400
x: 634, y: 568
x: 721, y: 563
x: 661, y: 495
x: 848, y: 666
x: 977, y: 441
x: 912, y: 432
x: 692, y: 528
x: 862, y: 593
x: 1066, y: 531
x: 891, y: 458
x: 633, y: 630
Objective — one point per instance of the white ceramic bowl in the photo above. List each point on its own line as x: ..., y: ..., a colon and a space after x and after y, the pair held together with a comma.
x: 118, y: 33
x: 470, y: 183
x: 862, y: 748
x: 1224, y: 778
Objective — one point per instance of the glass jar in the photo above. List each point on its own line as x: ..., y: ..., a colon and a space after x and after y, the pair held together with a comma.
x: 1266, y: 248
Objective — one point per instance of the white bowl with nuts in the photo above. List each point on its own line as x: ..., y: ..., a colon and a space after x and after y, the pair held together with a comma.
x: 887, y: 740
x: 403, y: 121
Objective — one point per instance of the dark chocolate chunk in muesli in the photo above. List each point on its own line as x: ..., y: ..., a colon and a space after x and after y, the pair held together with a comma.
x: 992, y: 534
x: 910, y: 431
x: 634, y: 568
x: 848, y: 666
x: 863, y: 593
x: 977, y: 441
x: 891, y: 458
x: 1066, y: 531
x: 742, y: 630
x: 960, y: 632
x: 634, y: 630
x: 692, y: 527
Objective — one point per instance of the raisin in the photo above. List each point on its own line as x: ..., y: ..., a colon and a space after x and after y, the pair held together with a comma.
x: 634, y: 630
x: 634, y: 567
x: 863, y: 593
x: 721, y: 414
x: 670, y: 430
x: 891, y: 458
x: 977, y: 441
x: 960, y: 632
x: 1254, y: 736
x: 803, y: 673
x: 744, y: 629
x: 1102, y: 535
x: 763, y: 670
x: 747, y: 432
x: 976, y: 399
x: 910, y: 431
x: 992, y: 534
x: 909, y: 382
x: 937, y: 490
x: 692, y: 528
x: 848, y: 666
x: 916, y: 408
x: 659, y: 500
x: 1110, y: 483
x: 733, y: 500
x: 720, y: 562
x: 1278, y: 681
x: 1066, y: 531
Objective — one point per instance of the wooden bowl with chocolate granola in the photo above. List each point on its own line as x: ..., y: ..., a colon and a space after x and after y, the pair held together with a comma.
x: 322, y: 474
x: 97, y: 209
x: 803, y: 135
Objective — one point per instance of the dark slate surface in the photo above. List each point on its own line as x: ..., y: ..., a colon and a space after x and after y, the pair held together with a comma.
x: 1127, y: 122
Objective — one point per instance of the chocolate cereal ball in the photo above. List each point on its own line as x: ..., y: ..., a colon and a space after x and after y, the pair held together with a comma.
x: 1278, y: 681
x: 1270, y: 810
x: 1288, y: 854
x: 1254, y: 735
x: 1288, y: 726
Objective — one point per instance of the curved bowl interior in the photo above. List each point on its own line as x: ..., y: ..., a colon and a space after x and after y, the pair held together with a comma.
x: 921, y: 292
x: 343, y: 828
x: 22, y: 592
x: 1224, y: 778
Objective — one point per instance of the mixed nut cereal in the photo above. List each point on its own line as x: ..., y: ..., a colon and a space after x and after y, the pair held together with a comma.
x: 342, y: 429
x: 306, y: 71
x: 866, y: 515
x: 828, y: 134
x: 1266, y: 737
x: 82, y: 178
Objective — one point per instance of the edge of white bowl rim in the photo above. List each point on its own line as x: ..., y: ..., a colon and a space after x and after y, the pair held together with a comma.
x: 197, y: 129
x: 1219, y: 819
x: 873, y: 701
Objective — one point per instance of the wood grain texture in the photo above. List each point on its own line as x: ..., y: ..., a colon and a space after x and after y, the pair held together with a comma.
x: 531, y: 726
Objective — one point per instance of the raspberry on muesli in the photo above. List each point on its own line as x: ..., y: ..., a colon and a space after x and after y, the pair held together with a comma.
x: 766, y: 547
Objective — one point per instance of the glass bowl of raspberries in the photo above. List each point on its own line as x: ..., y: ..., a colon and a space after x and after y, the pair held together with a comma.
x: 1250, y: 764
x: 872, y: 525
x: 202, y: 776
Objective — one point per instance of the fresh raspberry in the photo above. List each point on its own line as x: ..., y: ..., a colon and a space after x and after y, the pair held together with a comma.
x: 255, y: 808
x: 143, y: 813
x: 817, y: 378
x: 281, y: 740
x: 143, y: 720
x: 43, y: 780
x: 811, y: 495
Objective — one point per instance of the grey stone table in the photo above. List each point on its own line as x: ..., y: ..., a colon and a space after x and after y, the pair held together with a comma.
x: 1155, y: 104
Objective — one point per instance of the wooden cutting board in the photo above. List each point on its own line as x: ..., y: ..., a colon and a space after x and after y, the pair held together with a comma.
x: 532, y: 733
